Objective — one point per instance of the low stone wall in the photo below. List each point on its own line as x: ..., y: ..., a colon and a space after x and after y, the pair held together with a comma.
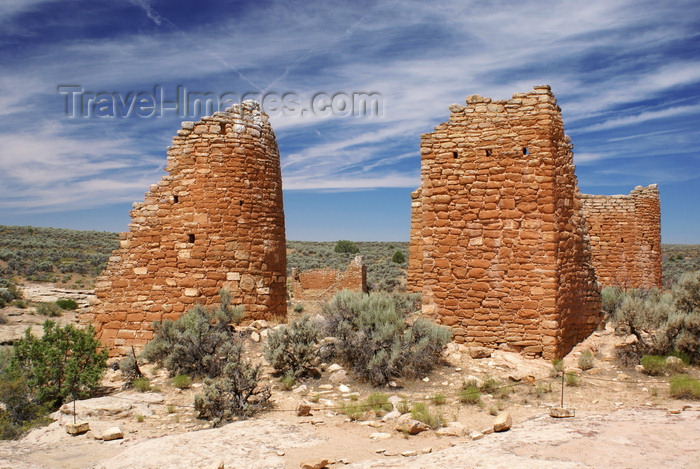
x: 322, y: 284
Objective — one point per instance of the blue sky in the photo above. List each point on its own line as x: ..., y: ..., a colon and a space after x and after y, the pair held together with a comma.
x: 626, y: 74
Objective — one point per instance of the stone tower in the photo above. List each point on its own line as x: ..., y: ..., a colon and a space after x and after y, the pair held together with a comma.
x: 216, y: 220
x: 625, y: 233
x: 498, y: 246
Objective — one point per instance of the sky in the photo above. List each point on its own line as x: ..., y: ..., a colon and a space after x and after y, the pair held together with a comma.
x: 92, y: 92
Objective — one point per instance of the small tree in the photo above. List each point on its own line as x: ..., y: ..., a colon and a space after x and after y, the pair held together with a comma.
x: 346, y: 246
x: 65, y: 363
x: 398, y: 257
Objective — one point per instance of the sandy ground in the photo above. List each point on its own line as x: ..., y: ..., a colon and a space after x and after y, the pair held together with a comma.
x: 623, y: 419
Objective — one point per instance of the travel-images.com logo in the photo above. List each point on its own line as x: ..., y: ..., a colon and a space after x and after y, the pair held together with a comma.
x: 81, y: 103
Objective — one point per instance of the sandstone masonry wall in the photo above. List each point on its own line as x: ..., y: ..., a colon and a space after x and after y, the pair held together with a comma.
x: 625, y: 235
x: 497, y: 231
x: 216, y: 220
x: 322, y: 284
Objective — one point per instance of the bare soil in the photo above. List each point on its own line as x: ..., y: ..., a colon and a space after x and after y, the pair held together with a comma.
x: 624, y: 418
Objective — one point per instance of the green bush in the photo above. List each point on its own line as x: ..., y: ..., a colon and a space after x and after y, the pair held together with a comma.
x: 654, y: 364
x: 373, y: 338
x: 346, y: 246
x: 398, y: 258
x: 67, y: 304
x: 235, y: 392
x: 182, y: 381
x: 142, y: 384
x: 41, y: 374
x: 685, y: 387
x: 290, y: 349
x: 470, y: 395
x: 571, y: 379
x: 298, y: 308
x: 438, y: 398
x: 422, y: 413
x: 48, y: 309
x: 195, y: 342
x: 287, y: 382
x: 686, y: 293
x: 586, y: 360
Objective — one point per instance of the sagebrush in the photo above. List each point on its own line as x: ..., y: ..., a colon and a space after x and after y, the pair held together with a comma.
x: 291, y: 349
x: 372, y: 336
x: 194, y: 343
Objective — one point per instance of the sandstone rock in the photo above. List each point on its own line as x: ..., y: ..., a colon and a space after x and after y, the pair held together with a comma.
x: 476, y: 435
x: 77, y: 428
x: 480, y: 352
x: 426, y: 450
x: 409, y: 453
x: 326, y: 386
x: 379, y: 436
x: 340, y: 376
x: 343, y: 388
x: 674, y: 363
x: 393, y: 415
x: 456, y: 107
x: 112, y: 433
x: 314, y: 464
x: 255, y: 337
x: 503, y: 422
x: 411, y: 426
x: 303, y: 409
x: 302, y: 389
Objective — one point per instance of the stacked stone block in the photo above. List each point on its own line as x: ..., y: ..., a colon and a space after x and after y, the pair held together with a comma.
x: 625, y: 233
x: 497, y: 229
x: 322, y: 284
x: 215, y: 221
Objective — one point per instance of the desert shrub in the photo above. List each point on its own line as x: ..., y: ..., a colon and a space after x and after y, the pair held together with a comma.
x: 438, y: 399
x: 685, y: 387
x: 142, y: 384
x: 571, y: 379
x: 182, y: 381
x: 235, y: 393
x: 470, y: 395
x: 298, y: 308
x: 422, y: 413
x: 586, y: 360
x: 3, y: 319
x: 611, y: 298
x: 48, y: 309
x: 398, y: 257
x: 21, y: 304
x: 489, y: 385
x: 640, y: 312
x: 686, y: 293
x: 346, y: 246
x: 195, y: 342
x: 654, y: 364
x: 373, y: 338
x: 541, y: 389
x: 20, y: 411
x: 290, y: 349
x: 67, y: 304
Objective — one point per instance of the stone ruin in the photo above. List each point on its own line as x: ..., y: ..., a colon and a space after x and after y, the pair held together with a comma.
x: 503, y: 247
x: 625, y: 233
x: 215, y: 221
x: 322, y: 284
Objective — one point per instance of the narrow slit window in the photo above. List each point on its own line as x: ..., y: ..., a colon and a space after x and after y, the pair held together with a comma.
x: 455, y: 155
x: 176, y: 199
x: 240, y: 203
x: 190, y: 238
x: 488, y: 152
x: 526, y: 151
